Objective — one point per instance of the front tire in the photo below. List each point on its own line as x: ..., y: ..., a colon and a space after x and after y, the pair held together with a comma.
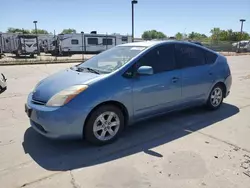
x: 215, y: 98
x: 2, y: 89
x: 104, y: 125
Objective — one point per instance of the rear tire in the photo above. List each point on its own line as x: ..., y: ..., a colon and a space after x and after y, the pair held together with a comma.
x: 215, y: 98
x: 104, y: 125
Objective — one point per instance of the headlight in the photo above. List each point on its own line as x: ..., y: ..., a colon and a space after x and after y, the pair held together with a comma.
x: 64, y: 96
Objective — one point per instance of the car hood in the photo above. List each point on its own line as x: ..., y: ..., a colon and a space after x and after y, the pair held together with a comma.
x: 60, y: 81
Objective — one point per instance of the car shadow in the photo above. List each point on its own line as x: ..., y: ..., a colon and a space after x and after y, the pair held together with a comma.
x: 142, y: 137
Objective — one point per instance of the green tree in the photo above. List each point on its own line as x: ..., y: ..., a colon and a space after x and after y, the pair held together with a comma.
x: 68, y: 31
x: 153, y: 34
x: 39, y: 31
x: 230, y: 34
x: 215, y: 33
x: 237, y: 36
x: 197, y: 36
x: 179, y: 36
x: 224, y: 35
x: 17, y: 30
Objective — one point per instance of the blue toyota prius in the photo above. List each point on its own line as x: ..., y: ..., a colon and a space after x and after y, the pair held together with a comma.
x: 95, y: 100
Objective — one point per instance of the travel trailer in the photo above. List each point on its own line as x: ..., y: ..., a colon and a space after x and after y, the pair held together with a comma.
x: 45, y: 42
x: 1, y: 45
x: 77, y: 43
x: 19, y: 44
x: 7, y: 42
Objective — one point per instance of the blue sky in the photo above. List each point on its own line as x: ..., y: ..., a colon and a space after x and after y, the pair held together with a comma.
x: 168, y: 16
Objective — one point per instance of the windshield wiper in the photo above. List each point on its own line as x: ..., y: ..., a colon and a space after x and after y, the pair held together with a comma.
x: 92, y: 70
x: 81, y: 69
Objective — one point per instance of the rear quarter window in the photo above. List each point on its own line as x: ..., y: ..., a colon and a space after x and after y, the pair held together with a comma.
x: 211, y: 57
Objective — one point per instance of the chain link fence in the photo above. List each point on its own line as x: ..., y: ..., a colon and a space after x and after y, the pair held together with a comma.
x: 225, y: 47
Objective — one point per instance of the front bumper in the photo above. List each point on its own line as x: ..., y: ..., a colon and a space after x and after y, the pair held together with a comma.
x: 55, y: 122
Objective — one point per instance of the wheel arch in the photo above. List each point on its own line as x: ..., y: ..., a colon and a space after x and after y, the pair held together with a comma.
x: 223, y: 85
x: 118, y: 104
x: 218, y: 83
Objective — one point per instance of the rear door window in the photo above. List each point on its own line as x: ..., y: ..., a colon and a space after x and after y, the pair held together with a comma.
x: 189, y: 56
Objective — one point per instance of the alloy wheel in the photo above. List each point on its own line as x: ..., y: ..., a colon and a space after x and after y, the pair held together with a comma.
x: 106, y: 126
x: 216, y: 97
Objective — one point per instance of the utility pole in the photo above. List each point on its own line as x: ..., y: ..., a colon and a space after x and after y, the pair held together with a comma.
x: 241, y: 32
x: 82, y: 33
x: 133, y: 2
x: 38, y: 50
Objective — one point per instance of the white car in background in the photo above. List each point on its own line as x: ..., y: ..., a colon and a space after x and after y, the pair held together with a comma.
x: 242, y: 46
x: 3, y: 83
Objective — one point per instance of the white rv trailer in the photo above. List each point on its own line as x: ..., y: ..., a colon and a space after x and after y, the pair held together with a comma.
x: 1, y: 45
x: 45, y: 42
x: 8, y: 42
x: 77, y: 43
x: 19, y: 44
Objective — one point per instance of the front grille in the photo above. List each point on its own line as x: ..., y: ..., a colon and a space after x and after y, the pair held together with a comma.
x: 39, y: 127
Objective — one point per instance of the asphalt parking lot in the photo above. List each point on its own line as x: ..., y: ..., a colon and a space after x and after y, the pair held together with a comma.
x: 193, y: 148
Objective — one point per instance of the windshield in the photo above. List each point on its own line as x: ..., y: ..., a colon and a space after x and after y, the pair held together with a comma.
x: 112, y: 59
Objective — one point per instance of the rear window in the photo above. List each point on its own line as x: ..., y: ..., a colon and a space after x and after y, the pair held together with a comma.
x: 211, y: 57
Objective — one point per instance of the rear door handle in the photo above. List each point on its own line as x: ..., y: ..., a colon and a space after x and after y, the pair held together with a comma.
x: 175, y: 79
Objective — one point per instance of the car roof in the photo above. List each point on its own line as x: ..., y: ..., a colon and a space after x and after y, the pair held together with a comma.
x: 154, y: 43
x: 144, y: 43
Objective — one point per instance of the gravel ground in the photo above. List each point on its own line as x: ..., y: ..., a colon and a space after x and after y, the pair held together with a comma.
x: 43, y: 57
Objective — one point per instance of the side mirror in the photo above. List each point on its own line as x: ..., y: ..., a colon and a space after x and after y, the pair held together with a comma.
x: 145, y: 70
